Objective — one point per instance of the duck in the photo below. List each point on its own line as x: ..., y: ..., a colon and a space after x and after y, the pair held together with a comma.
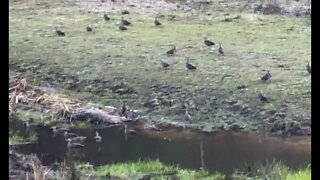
x: 74, y: 144
x: 88, y: 28
x: 122, y: 27
x: 59, y: 130
x: 125, y: 12
x: 185, y: 103
x: 98, y: 138
x: 220, y: 50
x: 262, y: 97
x: 187, y: 116
x: 67, y: 135
x: 59, y: 32
x: 309, y: 68
x: 208, y: 42
x: 105, y: 16
x: 157, y: 22
x: 267, y: 76
x: 190, y: 66
x: 172, y: 51
x: 77, y: 139
x: 164, y: 64
x: 124, y: 22
x: 128, y: 131
x: 124, y: 110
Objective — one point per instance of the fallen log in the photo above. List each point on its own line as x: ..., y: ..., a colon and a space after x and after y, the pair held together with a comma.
x: 97, y: 116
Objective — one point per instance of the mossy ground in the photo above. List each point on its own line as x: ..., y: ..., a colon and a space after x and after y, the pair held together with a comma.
x: 108, y: 66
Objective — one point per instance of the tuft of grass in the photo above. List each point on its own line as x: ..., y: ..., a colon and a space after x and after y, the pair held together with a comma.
x: 27, y: 115
x: 272, y: 170
x: 15, y: 138
x: 303, y: 174
x: 121, y: 169
x: 82, y: 124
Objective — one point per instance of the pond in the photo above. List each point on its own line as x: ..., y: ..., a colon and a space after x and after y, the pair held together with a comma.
x: 221, y: 151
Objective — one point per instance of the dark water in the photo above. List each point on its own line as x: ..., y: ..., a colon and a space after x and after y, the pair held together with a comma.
x: 222, y: 152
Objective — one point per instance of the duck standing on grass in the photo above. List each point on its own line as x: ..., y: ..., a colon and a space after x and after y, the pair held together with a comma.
x: 88, y: 29
x: 221, y: 51
x: 59, y: 32
x: 187, y: 116
x: 208, y: 42
x: 124, y: 22
x: 106, y: 17
x: 309, y: 68
x: 190, y: 66
x: 266, y: 77
x: 157, y: 22
x: 172, y: 51
x: 164, y: 64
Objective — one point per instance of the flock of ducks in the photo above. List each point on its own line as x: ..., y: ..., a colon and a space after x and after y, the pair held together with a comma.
x: 123, y: 26
x: 76, y: 141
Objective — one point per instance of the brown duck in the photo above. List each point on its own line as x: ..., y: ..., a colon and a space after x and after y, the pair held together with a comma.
x: 187, y: 116
x: 221, y: 51
x: 88, y: 29
x: 164, y: 64
x: 266, y: 77
x: 309, y: 68
x: 157, y: 22
x: 106, y: 17
x: 124, y: 22
x: 172, y: 51
x: 122, y: 27
x: 208, y: 42
x: 190, y: 66
x: 59, y: 32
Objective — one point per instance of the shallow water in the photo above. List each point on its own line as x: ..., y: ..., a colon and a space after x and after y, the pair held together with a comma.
x: 223, y: 151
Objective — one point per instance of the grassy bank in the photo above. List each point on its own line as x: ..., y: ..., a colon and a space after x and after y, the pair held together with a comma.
x: 157, y: 170
x: 108, y: 66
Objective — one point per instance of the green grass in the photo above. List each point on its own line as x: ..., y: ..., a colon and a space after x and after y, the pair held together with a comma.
x: 154, y: 168
x: 82, y: 124
x: 27, y: 115
x: 88, y: 65
x: 157, y: 170
x: 16, y: 138
x: 273, y: 170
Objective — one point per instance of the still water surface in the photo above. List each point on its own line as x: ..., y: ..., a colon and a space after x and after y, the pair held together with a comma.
x: 223, y: 151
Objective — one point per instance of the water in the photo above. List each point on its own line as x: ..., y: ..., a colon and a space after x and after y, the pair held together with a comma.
x: 223, y: 151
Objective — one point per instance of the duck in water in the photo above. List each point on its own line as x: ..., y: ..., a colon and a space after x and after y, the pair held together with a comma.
x: 59, y: 130
x: 72, y: 145
x: 98, y: 138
